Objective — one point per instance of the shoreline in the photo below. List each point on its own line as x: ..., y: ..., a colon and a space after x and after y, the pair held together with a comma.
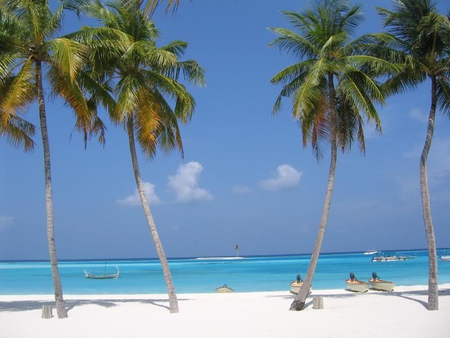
x: 401, y: 312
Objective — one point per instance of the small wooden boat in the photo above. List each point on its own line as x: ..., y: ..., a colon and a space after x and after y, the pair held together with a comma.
x: 356, y: 285
x: 224, y: 289
x: 297, y: 284
x: 295, y: 287
x: 378, y: 284
x: 104, y: 275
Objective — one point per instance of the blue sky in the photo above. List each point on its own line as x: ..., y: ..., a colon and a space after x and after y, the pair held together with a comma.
x: 245, y: 179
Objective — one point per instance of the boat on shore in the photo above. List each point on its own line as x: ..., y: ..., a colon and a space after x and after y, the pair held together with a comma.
x: 355, y: 285
x: 381, y: 285
x: 102, y: 275
x: 224, y: 289
x: 297, y: 284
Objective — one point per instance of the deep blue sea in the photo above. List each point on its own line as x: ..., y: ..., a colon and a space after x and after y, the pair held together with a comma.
x: 203, y: 275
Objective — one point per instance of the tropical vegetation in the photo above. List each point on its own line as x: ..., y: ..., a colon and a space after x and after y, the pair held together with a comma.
x: 333, y: 88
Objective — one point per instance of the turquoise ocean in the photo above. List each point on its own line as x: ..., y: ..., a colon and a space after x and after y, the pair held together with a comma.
x: 204, y: 274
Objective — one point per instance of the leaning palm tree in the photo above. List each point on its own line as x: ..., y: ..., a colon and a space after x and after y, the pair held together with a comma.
x: 143, y: 79
x: 330, y: 86
x: 30, y: 53
x: 421, y: 38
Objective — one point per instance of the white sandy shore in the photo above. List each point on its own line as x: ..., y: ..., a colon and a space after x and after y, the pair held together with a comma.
x: 401, y: 313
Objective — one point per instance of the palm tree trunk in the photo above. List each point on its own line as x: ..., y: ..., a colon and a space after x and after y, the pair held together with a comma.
x: 300, y: 299
x: 433, y: 303
x: 60, y: 307
x: 173, y: 301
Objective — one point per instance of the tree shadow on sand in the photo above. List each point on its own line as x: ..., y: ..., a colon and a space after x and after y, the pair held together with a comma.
x: 410, y: 295
x: 27, y: 305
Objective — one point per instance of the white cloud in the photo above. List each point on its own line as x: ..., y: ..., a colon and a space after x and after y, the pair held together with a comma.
x: 6, y: 221
x: 418, y: 115
x: 287, y: 177
x: 185, y: 183
x: 134, y: 199
x: 241, y: 190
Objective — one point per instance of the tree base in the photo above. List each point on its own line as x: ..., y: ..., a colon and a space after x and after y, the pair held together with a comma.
x: 297, y: 305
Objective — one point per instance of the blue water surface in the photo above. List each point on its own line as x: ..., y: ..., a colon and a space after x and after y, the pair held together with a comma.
x: 203, y: 275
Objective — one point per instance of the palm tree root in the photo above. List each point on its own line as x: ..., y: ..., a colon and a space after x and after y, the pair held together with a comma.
x: 297, y: 305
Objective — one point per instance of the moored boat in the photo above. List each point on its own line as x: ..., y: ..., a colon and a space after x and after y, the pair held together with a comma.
x: 389, y: 257
x: 103, y: 275
x: 297, y: 284
x: 445, y: 256
x: 355, y: 285
x: 378, y: 284
x: 224, y: 289
x: 370, y: 252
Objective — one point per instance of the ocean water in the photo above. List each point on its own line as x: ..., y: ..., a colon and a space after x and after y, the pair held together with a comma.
x: 203, y: 275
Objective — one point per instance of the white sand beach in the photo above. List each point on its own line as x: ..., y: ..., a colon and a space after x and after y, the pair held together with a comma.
x: 401, y: 313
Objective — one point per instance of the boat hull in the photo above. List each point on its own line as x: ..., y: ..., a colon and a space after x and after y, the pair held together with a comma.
x: 357, y: 286
x: 445, y: 258
x: 102, y: 275
x: 381, y: 285
x: 224, y: 289
x: 295, y: 287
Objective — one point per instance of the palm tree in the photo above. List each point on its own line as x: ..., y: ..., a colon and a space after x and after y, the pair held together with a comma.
x: 421, y: 38
x: 330, y: 85
x: 143, y: 78
x: 29, y: 52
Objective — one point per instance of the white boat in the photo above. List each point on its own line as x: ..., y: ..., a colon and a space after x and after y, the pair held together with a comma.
x: 224, y: 289
x: 389, y: 257
x: 102, y: 275
x: 444, y: 257
x: 371, y: 252
x: 356, y: 285
x: 378, y: 284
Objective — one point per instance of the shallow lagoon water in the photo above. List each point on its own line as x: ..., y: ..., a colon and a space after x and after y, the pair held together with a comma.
x: 203, y: 275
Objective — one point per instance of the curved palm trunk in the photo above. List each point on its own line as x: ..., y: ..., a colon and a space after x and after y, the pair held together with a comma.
x: 300, y: 299
x: 433, y: 303
x: 151, y: 223
x: 60, y: 307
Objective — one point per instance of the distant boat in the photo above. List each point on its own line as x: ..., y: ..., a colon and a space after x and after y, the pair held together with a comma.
x: 389, y: 257
x: 370, y: 252
x: 102, y: 275
x: 355, y: 285
x: 445, y: 257
x: 378, y: 284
